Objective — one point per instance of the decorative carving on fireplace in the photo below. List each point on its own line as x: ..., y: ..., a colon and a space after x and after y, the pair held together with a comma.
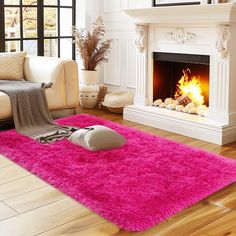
x: 140, y: 38
x: 223, y: 38
x: 181, y: 36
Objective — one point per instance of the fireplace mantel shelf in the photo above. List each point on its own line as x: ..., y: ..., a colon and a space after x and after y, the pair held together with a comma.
x: 210, y: 13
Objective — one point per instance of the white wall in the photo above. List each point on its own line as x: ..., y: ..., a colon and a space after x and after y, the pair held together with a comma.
x: 86, y: 12
x: 120, y: 72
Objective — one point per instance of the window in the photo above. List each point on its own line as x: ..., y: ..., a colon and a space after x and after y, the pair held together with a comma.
x: 40, y: 27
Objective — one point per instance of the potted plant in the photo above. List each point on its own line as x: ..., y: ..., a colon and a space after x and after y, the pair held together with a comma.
x: 92, y: 48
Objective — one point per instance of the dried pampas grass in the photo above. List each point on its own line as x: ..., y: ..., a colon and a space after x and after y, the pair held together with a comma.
x: 92, y: 49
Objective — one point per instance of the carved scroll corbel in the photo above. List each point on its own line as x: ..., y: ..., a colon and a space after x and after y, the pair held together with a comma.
x: 223, y: 32
x: 140, y: 41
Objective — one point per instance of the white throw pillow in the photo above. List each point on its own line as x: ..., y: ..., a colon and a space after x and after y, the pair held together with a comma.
x: 97, y: 137
x: 12, y: 66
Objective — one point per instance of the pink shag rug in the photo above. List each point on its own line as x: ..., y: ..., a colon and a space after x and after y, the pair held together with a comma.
x: 136, y: 186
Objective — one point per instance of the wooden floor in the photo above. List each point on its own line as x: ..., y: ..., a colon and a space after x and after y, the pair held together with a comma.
x: 29, y: 206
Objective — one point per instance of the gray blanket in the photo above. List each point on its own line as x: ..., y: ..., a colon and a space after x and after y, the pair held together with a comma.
x: 30, y: 111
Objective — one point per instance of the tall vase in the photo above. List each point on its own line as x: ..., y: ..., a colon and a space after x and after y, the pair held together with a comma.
x: 88, y: 88
x: 88, y: 77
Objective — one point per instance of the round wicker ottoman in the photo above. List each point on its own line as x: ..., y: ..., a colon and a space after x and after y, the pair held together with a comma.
x: 115, y: 102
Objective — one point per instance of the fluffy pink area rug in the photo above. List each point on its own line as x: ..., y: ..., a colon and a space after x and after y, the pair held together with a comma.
x: 136, y: 186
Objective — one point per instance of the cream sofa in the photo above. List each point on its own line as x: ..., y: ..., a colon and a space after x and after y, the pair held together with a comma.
x: 64, y: 93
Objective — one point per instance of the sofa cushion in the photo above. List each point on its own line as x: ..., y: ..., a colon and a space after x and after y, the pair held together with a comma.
x: 12, y: 66
x: 5, y: 106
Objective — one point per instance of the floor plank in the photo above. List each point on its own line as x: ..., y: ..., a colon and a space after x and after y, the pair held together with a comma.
x: 5, y: 162
x: 35, y: 199
x: 225, y: 197
x: 194, y: 218
x: 6, y: 211
x: 20, y: 186
x: 11, y: 173
x: 103, y: 229
x: 91, y: 224
x: 225, y: 226
x: 44, y: 218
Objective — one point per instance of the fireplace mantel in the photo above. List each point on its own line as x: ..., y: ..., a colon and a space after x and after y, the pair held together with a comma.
x: 197, y: 30
x: 210, y: 13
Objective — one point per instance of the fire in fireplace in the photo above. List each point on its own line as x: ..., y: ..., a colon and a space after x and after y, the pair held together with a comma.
x: 181, y: 82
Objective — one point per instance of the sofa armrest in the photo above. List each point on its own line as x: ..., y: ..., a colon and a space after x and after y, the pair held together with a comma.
x: 61, y: 72
x: 72, y: 82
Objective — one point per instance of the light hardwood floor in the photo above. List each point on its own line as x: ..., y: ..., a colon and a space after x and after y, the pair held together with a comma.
x: 29, y: 206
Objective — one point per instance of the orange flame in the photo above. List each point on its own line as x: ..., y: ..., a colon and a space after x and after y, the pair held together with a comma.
x: 190, y: 86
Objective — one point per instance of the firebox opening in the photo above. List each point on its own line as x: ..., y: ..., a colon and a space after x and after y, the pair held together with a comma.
x: 169, y: 68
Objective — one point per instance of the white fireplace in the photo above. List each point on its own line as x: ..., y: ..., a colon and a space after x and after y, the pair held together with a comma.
x: 202, y: 31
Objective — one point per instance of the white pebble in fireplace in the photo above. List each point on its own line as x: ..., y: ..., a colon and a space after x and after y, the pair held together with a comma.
x: 203, y: 37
